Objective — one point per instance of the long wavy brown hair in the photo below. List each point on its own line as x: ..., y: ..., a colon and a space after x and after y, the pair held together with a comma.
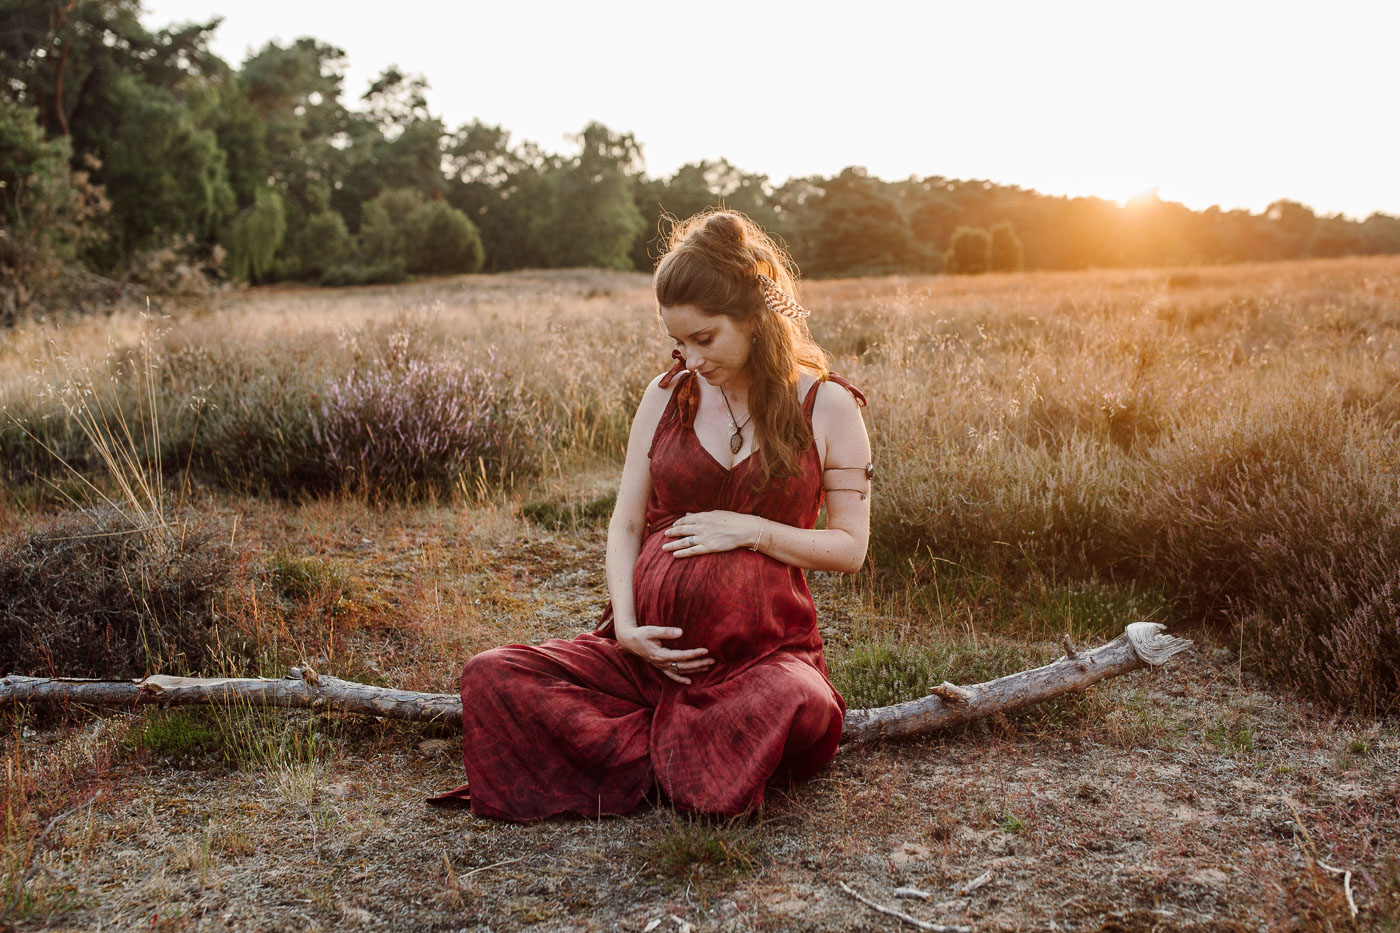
x: 712, y: 263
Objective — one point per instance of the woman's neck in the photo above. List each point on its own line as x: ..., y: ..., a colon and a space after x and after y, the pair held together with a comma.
x: 737, y: 388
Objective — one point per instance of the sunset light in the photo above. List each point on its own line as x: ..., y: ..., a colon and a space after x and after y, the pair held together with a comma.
x: 1236, y: 104
x: 725, y: 466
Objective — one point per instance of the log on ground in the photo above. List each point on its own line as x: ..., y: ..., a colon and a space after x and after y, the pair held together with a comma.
x: 1141, y: 645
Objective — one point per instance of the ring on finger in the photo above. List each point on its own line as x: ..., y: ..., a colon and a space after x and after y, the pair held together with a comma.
x: 675, y: 666
x: 690, y: 541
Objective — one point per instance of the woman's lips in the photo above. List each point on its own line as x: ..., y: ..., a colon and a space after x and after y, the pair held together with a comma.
x: 710, y: 373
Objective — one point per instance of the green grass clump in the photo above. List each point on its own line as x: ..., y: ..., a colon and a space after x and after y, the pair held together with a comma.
x: 884, y: 673
x: 1232, y: 736
x: 299, y: 579
x: 571, y: 513
x: 1089, y: 611
x: 235, y: 735
x: 180, y: 735
x: 694, y: 846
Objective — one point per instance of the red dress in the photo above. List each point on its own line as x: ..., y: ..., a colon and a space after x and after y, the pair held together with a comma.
x: 586, y: 727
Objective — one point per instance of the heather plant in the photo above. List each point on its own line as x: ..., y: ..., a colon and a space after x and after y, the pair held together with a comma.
x: 37, y: 438
x: 1335, y: 634
x: 402, y: 427
x: 1283, y: 516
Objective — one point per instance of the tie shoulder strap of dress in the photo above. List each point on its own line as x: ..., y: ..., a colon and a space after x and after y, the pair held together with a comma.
x: 687, y: 398
x: 810, y: 402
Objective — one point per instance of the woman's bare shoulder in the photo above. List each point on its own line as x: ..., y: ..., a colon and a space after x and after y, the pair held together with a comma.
x: 656, y: 394
x: 662, y: 387
x: 834, y: 399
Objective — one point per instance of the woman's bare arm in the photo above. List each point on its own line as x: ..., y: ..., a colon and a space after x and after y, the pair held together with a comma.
x: 625, y: 532
x: 630, y: 513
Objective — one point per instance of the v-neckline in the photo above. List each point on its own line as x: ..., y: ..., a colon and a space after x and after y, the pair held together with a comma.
x: 715, y: 460
x: 738, y: 463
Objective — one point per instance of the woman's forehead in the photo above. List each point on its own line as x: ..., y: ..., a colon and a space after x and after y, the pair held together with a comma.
x: 686, y: 321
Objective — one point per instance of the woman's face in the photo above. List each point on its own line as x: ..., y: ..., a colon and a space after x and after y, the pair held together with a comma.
x: 714, y: 345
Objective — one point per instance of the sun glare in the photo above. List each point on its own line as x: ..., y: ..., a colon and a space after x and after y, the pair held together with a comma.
x: 1144, y: 198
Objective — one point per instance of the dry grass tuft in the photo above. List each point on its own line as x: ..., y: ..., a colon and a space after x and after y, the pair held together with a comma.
x: 98, y: 594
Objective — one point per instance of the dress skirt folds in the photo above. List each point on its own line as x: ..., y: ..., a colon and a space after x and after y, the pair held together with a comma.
x: 584, y: 726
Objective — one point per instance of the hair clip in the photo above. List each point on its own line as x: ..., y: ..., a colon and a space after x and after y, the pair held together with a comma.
x: 778, y: 301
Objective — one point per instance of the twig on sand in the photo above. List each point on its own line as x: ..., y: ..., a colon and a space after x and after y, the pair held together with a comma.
x: 493, y: 865
x: 1311, y: 851
x: 963, y: 890
x: 1346, y: 883
x: 39, y: 850
x: 891, y: 912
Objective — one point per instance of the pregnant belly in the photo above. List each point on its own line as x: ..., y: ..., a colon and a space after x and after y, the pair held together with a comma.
x: 738, y: 604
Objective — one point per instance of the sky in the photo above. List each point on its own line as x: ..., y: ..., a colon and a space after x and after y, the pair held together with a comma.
x: 1221, y: 102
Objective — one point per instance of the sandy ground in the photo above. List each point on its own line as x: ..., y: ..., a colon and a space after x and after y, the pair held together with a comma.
x: 1189, y: 798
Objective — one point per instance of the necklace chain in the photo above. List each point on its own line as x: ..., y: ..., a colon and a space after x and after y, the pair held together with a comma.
x: 736, y: 441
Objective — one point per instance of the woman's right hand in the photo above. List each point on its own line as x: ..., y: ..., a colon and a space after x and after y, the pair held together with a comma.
x: 643, y: 641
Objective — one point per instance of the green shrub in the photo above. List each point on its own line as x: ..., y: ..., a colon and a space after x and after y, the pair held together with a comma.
x: 387, y: 272
x: 1005, y: 253
x: 254, y: 236
x: 321, y: 245
x: 383, y: 222
x: 969, y: 252
x: 438, y: 239
x: 49, y: 212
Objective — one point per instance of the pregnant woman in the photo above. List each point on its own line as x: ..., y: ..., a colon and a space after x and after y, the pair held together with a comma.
x: 705, y: 679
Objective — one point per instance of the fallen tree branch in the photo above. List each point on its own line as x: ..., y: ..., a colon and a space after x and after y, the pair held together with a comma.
x: 301, y: 688
x: 1141, y: 645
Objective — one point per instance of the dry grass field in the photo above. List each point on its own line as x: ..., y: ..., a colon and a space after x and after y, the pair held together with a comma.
x: 1212, y: 448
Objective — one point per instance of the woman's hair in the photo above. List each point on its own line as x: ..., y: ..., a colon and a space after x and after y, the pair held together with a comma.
x: 712, y: 263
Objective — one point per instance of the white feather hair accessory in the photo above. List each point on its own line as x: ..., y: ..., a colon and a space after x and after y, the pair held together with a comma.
x: 778, y: 301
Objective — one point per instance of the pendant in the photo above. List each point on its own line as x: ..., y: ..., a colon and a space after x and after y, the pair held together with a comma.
x: 735, y: 442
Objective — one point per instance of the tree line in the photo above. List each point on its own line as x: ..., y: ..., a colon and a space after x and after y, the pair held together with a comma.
x: 126, y: 152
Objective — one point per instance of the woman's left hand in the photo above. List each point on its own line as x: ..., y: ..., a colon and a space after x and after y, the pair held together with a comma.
x: 711, y: 532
